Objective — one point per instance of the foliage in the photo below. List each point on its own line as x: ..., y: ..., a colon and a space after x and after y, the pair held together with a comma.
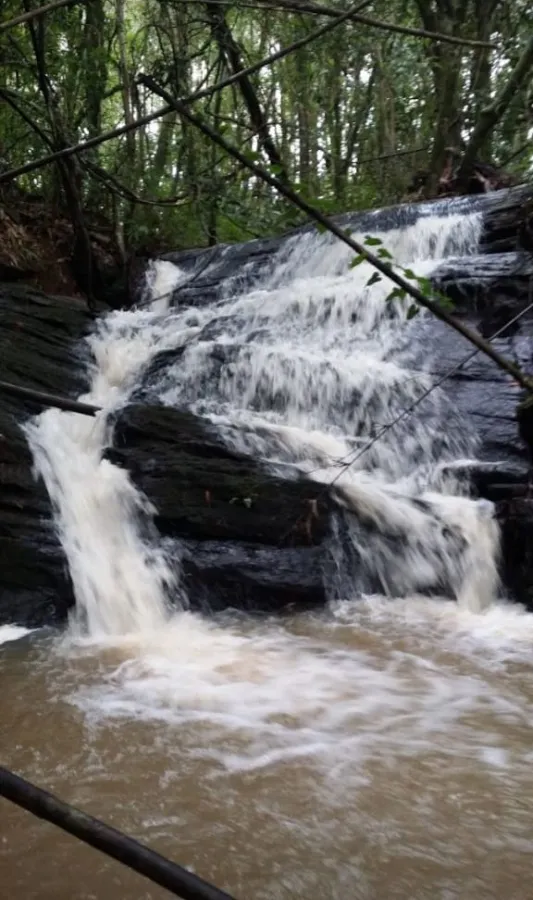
x: 348, y: 119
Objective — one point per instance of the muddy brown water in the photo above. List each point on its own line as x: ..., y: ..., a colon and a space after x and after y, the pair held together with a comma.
x: 380, y: 750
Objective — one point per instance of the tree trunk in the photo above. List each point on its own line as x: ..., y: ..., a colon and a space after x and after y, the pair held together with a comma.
x: 232, y: 54
x: 492, y: 114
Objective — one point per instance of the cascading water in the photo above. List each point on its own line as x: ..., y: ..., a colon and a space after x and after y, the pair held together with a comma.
x: 303, y: 368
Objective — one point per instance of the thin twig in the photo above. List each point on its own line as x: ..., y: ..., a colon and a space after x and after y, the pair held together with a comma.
x: 436, y: 384
x: 346, y: 463
x: 9, y: 99
x: 370, y: 159
x: 123, y: 191
x: 516, y: 153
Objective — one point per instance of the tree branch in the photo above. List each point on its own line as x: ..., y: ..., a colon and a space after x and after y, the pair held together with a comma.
x: 491, y: 115
x: 6, y: 95
x: 121, y: 190
x: 331, y: 11
x: 231, y: 53
x: 198, y: 95
x: 35, y: 13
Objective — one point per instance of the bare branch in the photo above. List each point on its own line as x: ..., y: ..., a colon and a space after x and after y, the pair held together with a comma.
x: 370, y: 159
x: 331, y: 11
x: 82, y: 147
x: 8, y: 97
x: 231, y: 53
x: 40, y: 11
x: 121, y: 190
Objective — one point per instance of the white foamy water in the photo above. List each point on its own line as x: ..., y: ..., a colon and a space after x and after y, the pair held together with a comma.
x: 10, y: 633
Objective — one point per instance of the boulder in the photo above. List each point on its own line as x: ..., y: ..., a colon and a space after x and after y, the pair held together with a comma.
x: 248, y: 537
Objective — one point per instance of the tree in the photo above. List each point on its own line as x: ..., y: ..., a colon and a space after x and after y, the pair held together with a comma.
x: 348, y: 119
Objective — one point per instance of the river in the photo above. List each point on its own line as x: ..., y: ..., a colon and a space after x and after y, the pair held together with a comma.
x: 381, y: 748
x: 378, y: 750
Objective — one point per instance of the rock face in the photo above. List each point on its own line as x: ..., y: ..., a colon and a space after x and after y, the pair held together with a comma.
x: 488, y: 291
x: 38, y: 349
x: 248, y: 537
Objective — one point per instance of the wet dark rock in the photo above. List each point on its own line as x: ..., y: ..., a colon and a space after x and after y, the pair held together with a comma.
x: 34, y: 583
x: 38, y: 349
x: 515, y: 516
x: 253, y: 577
x: 252, y: 539
x: 484, y: 397
x: 488, y: 290
x: 205, y: 491
x: 496, y: 285
x: 233, y: 268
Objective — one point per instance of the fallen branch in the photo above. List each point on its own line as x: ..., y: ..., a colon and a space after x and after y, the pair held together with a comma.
x: 43, y: 399
x: 113, y: 843
x: 330, y: 226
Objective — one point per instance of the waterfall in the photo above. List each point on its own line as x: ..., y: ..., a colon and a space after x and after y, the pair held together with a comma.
x: 301, y: 364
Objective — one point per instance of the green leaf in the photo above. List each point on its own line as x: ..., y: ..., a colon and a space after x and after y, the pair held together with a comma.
x: 425, y: 285
x: 409, y: 273
x: 373, y: 279
x: 399, y: 293
x: 356, y: 261
x: 445, y: 302
x: 320, y: 228
x: 412, y: 311
x: 383, y: 253
x: 372, y: 241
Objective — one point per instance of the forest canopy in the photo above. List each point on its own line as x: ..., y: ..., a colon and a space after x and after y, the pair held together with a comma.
x: 347, y: 118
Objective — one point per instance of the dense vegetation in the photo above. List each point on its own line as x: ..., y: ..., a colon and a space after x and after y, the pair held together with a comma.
x: 348, y: 119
